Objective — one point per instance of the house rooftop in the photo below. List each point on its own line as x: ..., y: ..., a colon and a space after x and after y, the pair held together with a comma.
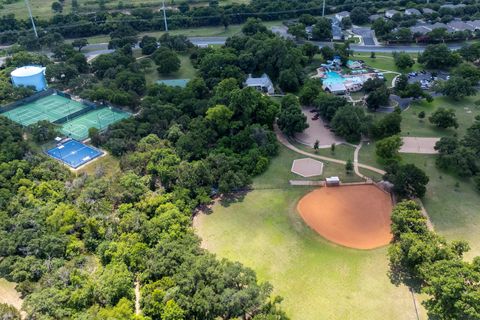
x: 263, y: 81
x: 412, y: 11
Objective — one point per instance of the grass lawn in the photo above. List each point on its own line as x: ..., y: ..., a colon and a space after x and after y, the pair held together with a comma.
x: 215, y: 31
x: 342, y: 151
x: 453, y: 208
x: 383, y: 61
x: 319, y: 280
x: 9, y: 295
x: 110, y: 164
x: 187, y: 71
x: 465, y: 110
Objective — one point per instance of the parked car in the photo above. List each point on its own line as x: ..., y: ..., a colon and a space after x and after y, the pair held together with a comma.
x: 316, y: 117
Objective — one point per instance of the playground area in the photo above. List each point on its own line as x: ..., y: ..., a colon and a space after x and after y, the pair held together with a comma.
x: 74, y: 153
x: 51, y: 108
x: 74, y: 117
x: 352, y: 216
x: 77, y: 128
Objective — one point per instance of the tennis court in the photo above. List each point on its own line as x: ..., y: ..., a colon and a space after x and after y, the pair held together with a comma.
x: 74, y: 153
x: 49, y: 108
x: 77, y: 128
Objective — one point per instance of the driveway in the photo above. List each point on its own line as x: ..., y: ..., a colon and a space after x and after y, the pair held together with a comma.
x: 317, y: 131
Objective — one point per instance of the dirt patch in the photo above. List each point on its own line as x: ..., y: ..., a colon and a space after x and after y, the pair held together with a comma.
x: 352, y: 216
x: 419, y: 145
x: 9, y: 295
x: 317, y: 130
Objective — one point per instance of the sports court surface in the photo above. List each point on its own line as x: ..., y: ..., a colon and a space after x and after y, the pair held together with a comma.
x: 419, y: 145
x: 74, y: 153
x: 51, y: 108
x: 77, y: 128
x: 352, y: 216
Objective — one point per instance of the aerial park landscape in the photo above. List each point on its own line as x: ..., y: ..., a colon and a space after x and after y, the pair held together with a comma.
x: 239, y: 159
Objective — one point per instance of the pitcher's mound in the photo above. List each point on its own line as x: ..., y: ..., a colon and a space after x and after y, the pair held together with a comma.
x: 352, y: 216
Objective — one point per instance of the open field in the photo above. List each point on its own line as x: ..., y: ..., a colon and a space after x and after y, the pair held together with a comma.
x: 383, y: 61
x: 186, y: 71
x: 465, y: 109
x: 43, y: 8
x: 453, y: 208
x: 319, y: 280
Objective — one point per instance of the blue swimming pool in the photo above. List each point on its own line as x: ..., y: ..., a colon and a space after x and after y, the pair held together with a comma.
x: 332, y: 77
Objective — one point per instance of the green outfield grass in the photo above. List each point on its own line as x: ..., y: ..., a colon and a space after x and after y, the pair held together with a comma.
x: 319, y: 280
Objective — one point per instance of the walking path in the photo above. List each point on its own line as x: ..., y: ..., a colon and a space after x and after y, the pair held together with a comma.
x: 283, y: 140
x: 137, y: 298
x: 356, y: 165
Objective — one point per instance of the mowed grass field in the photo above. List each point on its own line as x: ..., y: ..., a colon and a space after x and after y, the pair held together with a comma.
x: 186, y: 71
x: 43, y: 8
x: 452, y: 202
x: 318, y: 279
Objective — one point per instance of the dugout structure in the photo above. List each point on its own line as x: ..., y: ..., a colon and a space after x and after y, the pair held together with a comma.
x: 74, y: 117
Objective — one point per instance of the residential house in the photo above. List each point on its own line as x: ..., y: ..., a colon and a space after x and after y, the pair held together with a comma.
x: 412, y: 12
x: 262, y: 84
x: 341, y: 15
x: 390, y: 13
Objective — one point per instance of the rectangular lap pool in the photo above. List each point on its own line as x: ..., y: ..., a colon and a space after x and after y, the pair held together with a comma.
x: 74, y: 153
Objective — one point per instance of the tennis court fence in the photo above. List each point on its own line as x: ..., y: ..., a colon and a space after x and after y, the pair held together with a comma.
x: 33, y: 97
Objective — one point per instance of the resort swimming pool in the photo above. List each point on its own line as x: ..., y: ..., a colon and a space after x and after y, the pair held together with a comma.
x: 332, y: 77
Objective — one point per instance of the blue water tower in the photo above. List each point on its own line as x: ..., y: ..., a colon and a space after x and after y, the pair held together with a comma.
x: 29, y: 76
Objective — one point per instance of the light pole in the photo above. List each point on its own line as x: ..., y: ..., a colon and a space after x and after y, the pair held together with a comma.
x: 323, y: 9
x: 31, y: 18
x: 164, y: 16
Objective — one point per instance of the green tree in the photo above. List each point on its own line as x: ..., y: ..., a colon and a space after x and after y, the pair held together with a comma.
x: 43, y: 131
x: 438, y: 56
x: 253, y: 26
x: 309, y: 92
x: 322, y: 30
x: 166, y: 60
x: 467, y: 71
x: 114, y: 283
x: 387, y: 126
x: 387, y: 148
x: 297, y: 30
x: 148, y: 45
x: 172, y: 311
x: 291, y: 120
x: 472, y: 137
x: 444, y: 118
x: 456, y: 88
x: 220, y: 116
x: 79, y: 43
x: 316, y: 145
x: 359, y: 15
x: 409, y: 181
x: 378, y: 98
x: 403, y: 60
x: 57, y: 7
x: 349, y: 122
x: 288, y: 80
x: 349, y: 166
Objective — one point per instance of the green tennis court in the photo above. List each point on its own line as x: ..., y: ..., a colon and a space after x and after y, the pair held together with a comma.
x: 77, y: 128
x: 49, y: 108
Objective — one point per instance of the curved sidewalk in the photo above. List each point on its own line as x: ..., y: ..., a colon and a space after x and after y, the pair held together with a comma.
x: 283, y: 140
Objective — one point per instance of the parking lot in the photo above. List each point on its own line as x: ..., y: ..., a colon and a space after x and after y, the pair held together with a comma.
x: 366, y: 34
x: 426, y: 79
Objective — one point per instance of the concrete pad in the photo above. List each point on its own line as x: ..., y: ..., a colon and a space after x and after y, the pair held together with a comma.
x: 307, y: 167
x: 317, y: 131
x: 419, y: 145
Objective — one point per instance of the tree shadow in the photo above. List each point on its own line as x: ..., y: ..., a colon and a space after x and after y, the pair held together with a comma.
x: 238, y: 196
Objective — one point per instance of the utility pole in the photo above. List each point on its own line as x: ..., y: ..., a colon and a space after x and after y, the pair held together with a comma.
x: 31, y: 18
x: 165, y: 16
x: 323, y: 9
